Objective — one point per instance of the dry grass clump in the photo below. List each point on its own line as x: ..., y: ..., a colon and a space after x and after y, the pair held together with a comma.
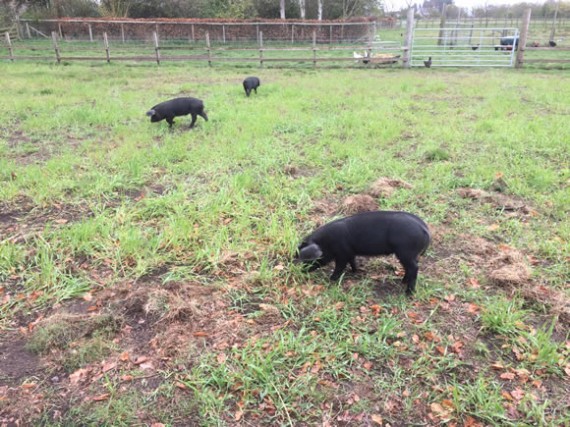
x: 358, y: 203
x: 385, y: 187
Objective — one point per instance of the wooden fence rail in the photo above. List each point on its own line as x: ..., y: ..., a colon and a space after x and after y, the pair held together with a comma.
x: 64, y: 52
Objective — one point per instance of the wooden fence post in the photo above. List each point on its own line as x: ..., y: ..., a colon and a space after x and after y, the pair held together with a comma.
x: 192, y: 28
x: 60, y: 31
x: 553, y: 29
x: 522, y: 39
x: 441, y: 26
x: 224, y: 33
x: 292, y: 33
x: 123, y: 32
x: 406, y: 60
x: 56, y: 48
x: 261, y: 48
x: 9, y: 43
x: 156, y: 47
x: 90, y: 33
x: 106, y: 43
x: 314, y: 49
x: 208, y: 48
x: 28, y: 31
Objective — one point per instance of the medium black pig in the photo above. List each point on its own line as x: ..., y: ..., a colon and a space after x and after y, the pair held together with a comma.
x: 251, y: 83
x: 368, y: 234
x: 177, y: 107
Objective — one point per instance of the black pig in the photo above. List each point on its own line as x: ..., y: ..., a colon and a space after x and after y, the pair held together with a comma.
x: 167, y: 110
x: 368, y: 234
x: 251, y: 83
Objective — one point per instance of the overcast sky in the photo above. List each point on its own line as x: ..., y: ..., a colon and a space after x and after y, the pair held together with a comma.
x: 399, y: 4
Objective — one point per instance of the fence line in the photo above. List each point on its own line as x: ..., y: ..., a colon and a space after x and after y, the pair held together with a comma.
x: 206, y: 53
x: 390, y: 52
x: 294, y: 30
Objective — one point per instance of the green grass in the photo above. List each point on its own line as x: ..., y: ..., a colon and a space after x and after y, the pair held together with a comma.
x: 186, y: 237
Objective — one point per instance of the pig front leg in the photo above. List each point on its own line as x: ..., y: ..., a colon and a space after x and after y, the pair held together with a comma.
x: 340, y: 265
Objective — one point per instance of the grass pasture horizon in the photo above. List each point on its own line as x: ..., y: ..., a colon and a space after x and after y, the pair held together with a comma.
x: 146, y: 274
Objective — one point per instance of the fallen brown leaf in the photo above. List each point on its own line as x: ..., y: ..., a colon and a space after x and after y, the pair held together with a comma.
x: 101, y: 397
x: 140, y: 359
x: 470, y: 422
x: 517, y: 393
x: 108, y: 366
x: 439, y: 411
x: 27, y: 386
x: 377, y: 419
x: 181, y: 386
x: 78, y: 375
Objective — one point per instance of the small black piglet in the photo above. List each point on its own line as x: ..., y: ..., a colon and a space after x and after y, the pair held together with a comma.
x: 368, y: 234
x: 167, y: 110
x: 251, y: 83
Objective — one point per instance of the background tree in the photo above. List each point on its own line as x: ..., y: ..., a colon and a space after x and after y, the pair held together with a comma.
x: 115, y: 8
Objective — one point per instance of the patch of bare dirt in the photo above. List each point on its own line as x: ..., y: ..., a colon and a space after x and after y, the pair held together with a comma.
x: 501, y: 265
x: 21, y: 220
x: 499, y: 200
x: 36, y: 149
x: 17, y: 363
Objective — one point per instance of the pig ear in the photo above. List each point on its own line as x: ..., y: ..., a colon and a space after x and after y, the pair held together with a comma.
x: 150, y: 113
x: 311, y: 252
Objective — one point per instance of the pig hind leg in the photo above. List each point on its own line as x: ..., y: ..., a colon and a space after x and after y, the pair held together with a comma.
x: 410, y: 264
x: 194, y: 117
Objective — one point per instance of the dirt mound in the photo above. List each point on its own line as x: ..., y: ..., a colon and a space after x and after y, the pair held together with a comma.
x: 358, y: 203
x: 385, y: 187
x: 557, y: 301
x: 295, y: 172
x: 325, y: 207
x: 498, y: 200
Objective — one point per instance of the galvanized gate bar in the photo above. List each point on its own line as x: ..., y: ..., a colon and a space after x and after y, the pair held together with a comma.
x: 464, y: 47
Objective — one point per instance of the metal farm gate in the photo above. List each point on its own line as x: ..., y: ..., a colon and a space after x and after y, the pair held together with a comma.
x: 464, y: 47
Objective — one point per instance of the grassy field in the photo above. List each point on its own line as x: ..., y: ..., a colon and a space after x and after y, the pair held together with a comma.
x: 146, y: 274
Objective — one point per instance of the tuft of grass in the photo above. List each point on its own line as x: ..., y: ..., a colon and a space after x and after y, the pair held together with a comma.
x: 504, y: 316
